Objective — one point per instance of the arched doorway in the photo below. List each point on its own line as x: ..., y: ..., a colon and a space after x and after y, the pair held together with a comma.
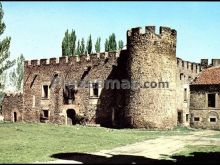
x: 15, y: 117
x: 71, y: 117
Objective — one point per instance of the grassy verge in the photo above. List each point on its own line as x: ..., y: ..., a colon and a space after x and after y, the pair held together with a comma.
x: 188, y: 150
x: 23, y: 143
x: 215, y: 136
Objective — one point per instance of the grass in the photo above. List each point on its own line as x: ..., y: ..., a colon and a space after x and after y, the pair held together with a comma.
x: 27, y: 143
x: 189, y: 149
x: 215, y: 136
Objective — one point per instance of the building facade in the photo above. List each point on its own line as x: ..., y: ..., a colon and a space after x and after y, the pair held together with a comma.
x: 53, y: 92
x: 205, y: 98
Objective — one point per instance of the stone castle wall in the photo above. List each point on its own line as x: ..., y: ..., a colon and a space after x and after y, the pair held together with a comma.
x: 12, y: 107
x: 68, y: 69
x: 186, y: 73
x: 199, y: 106
x: 148, y: 57
x: 152, y: 57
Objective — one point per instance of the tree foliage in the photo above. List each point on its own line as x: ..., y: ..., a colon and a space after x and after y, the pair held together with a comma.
x: 106, y: 45
x: 120, y: 44
x: 89, y: 45
x: 112, y: 42
x: 69, y: 43
x: 78, y: 48
x: 4, y: 51
x: 98, y: 45
x: 72, y: 42
x: 16, y: 76
x: 82, y: 47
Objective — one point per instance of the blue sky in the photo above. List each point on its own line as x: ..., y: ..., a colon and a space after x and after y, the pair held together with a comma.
x: 37, y: 28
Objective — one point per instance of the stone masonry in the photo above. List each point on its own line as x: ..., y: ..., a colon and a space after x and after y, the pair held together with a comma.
x: 51, y: 91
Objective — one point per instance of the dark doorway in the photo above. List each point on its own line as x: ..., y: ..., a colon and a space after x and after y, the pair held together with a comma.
x: 180, y: 118
x: 71, y: 117
x: 15, y: 117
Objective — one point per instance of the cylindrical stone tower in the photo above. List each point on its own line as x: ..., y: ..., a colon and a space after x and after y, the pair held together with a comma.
x: 152, y: 60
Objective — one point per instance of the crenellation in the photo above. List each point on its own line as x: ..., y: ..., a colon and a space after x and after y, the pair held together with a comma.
x: 43, y: 62
x: 194, y: 67
x: 63, y: 60
x: 106, y: 55
x: 77, y: 59
x: 185, y: 63
x: 204, y: 63
x: 136, y: 31
x: 166, y: 31
x: 215, y: 62
x: 147, y: 57
x: 72, y: 60
x: 88, y: 57
x: 14, y: 94
x: 150, y: 29
x: 53, y: 61
x: 35, y: 62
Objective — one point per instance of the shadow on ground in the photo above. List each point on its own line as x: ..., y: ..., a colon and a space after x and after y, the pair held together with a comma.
x: 196, y: 157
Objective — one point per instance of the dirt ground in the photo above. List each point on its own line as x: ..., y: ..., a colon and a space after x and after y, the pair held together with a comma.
x: 158, y: 148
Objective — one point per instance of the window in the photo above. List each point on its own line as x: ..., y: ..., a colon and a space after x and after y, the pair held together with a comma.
x: 185, y: 94
x: 69, y: 92
x: 196, y: 118
x: 189, y: 78
x: 212, y: 119
x: 45, y: 91
x: 211, y: 100
x: 94, y: 90
x: 1, y: 110
x: 187, y: 117
x: 45, y: 114
x: 181, y: 76
x: 33, y: 101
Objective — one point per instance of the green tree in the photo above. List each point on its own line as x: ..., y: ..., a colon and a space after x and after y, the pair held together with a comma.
x: 89, y: 44
x: 98, y: 45
x: 72, y: 42
x: 69, y: 43
x: 82, y: 47
x: 106, y: 45
x: 120, y: 44
x: 16, y: 76
x: 65, y: 44
x: 112, y: 42
x: 78, y: 48
x: 4, y: 51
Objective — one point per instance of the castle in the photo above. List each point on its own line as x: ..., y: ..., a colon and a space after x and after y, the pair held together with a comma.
x: 148, y: 57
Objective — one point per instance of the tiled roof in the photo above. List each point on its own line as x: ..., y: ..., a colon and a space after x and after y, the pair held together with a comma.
x: 208, y: 76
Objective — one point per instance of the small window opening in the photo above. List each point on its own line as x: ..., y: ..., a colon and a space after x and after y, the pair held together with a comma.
x: 196, y: 119
x: 95, y: 89
x: 211, y: 100
x: 212, y: 119
x: 45, y: 91
x: 185, y: 94
x: 187, y: 117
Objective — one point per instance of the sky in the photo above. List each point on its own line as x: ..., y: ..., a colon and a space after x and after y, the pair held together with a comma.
x: 37, y: 28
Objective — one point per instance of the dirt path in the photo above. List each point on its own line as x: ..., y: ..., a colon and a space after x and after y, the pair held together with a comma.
x: 160, y: 147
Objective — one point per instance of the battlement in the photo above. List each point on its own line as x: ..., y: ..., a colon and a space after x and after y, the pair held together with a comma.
x: 13, y: 94
x: 186, y: 65
x: 163, y: 31
x: 90, y: 58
